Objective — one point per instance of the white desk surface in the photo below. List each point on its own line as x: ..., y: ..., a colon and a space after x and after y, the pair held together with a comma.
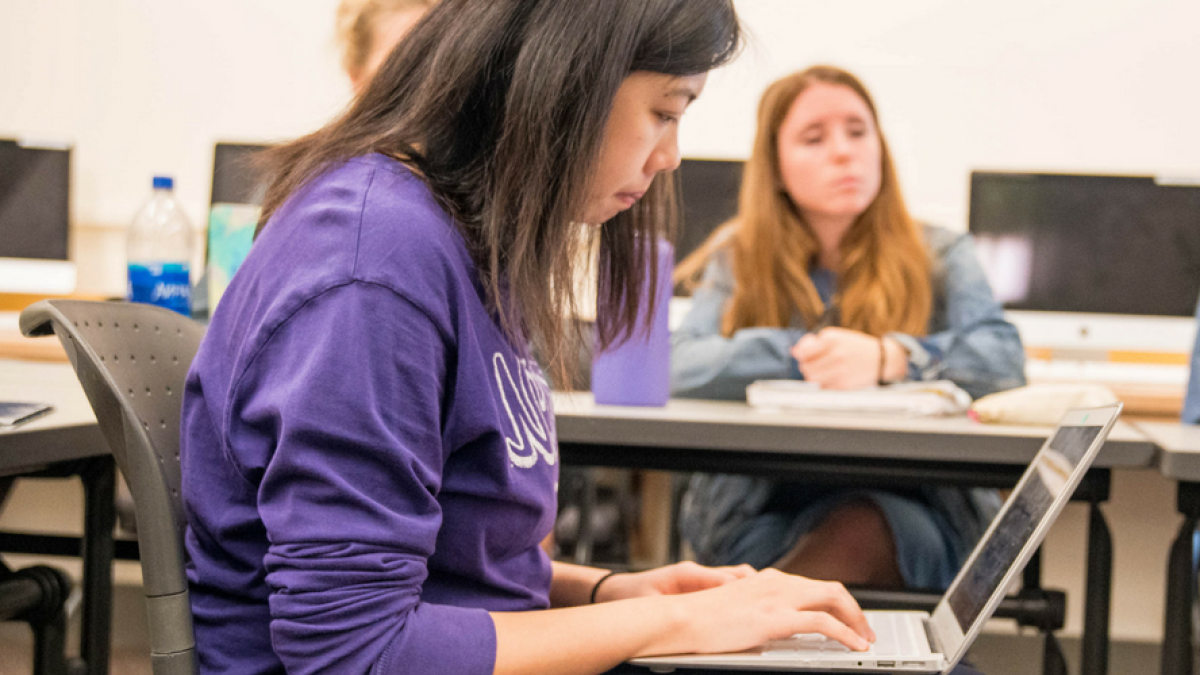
x: 722, y: 425
x: 69, y: 432
x: 1179, y: 448
x: 703, y: 425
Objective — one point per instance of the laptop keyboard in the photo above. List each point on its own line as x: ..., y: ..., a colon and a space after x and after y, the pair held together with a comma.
x: 889, y: 629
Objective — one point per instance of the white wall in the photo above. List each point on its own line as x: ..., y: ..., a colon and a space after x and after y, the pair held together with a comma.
x: 147, y: 86
x: 1106, y: 86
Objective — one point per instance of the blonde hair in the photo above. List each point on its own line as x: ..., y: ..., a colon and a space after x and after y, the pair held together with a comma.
x: 884, y: 282
x: 356, y: 20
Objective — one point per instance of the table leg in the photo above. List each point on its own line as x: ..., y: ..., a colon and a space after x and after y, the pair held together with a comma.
x: 679, y: 483
x: 655, y: 520
x: 1099, y: 592
x: 585, y: 539
x: 1031, y: 582
x: 99, y: 484
x: 1053, y: 661
x: 1031, y: 576
x: 49, y: 646
x: 1181, y: 587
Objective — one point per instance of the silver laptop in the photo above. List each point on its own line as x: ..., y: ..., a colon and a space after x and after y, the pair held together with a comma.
x: 918, y: 642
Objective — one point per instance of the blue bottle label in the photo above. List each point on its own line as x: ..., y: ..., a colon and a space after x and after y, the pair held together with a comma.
x: 166, y: 285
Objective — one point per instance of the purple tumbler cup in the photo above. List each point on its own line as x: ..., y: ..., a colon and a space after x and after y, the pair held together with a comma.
x: 637, y: 371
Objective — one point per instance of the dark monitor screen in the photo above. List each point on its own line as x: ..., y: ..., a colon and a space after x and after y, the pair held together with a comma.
x: 1076, y: 243
x: 236, y: 177
x: 35, y: 189
x: 708, y: 190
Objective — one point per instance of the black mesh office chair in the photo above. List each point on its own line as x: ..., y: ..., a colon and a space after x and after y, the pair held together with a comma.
x: 132, y: 361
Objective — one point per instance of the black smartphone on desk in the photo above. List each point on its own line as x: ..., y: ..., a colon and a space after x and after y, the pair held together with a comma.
x: 13, y: 413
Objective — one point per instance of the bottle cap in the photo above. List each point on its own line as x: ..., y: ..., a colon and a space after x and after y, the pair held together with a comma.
x: 164, y: 183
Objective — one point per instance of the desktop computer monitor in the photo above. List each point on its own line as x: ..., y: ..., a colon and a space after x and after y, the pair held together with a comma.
x: 35, y: 188
x: 708, y: 197
x: 1098, y: 244
x: 1092, y: 265
x: 237, y: 179
x: 237, y: 192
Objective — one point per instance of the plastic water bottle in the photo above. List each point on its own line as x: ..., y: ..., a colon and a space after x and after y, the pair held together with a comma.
x: 159, y: 251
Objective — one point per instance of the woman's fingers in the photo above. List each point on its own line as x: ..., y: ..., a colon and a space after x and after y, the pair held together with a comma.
x: 811, y: 347
x: 840, y: 604
x: 690, y: 577
x: 826, y: 372
x: 769, y: 604
x: 835, y: 372
x: 830, y: 627
x: 739, y: 571
x: 829, y: 597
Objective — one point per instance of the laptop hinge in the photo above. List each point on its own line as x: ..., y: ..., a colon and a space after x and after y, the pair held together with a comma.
x: 934, y: 643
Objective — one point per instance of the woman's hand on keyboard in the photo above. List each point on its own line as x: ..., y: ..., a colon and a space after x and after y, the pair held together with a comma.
x: 766, y: 605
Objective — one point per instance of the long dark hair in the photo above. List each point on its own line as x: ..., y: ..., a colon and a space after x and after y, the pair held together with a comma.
x: 501, y: 107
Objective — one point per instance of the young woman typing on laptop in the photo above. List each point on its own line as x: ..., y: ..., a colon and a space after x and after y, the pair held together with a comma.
x: 824, y: 276
x: 369, y: 459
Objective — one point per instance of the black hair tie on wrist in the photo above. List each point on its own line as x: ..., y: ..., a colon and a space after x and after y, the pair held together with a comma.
x: 592, y: 599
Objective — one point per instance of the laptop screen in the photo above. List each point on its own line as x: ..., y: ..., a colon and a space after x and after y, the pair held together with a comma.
x: 1016, y: 524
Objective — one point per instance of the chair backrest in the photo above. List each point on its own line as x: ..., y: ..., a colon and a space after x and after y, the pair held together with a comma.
x: 132, y: 360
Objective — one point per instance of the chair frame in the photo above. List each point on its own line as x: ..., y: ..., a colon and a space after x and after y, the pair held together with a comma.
x: 148, y: 458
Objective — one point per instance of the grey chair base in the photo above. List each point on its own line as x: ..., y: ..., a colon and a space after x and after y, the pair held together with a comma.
x: 37, y: 596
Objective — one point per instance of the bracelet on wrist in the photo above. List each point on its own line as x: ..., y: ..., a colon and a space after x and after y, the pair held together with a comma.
x: 596, y: 587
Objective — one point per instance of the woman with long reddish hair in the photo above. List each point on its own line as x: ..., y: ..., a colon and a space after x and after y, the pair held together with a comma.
x: 824, y: 276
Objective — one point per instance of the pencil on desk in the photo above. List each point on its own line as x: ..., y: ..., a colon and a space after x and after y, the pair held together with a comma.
x: 827, y: 319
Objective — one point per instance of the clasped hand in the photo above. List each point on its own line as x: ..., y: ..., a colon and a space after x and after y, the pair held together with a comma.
x: 839, y: 358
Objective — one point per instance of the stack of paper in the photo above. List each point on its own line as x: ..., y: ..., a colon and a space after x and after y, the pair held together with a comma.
x: 912, y: 399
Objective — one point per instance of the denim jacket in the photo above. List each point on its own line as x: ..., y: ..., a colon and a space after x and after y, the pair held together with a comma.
x: 968, y: 342
x: 1191, y: 405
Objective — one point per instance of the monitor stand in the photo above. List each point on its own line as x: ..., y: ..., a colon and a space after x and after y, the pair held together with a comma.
x: 37, y: 277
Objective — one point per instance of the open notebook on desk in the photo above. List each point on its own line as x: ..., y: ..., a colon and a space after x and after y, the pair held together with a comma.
x: 913, y: 399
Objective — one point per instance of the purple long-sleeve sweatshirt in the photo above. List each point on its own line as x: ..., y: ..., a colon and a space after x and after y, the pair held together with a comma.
x: 368, y: 462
